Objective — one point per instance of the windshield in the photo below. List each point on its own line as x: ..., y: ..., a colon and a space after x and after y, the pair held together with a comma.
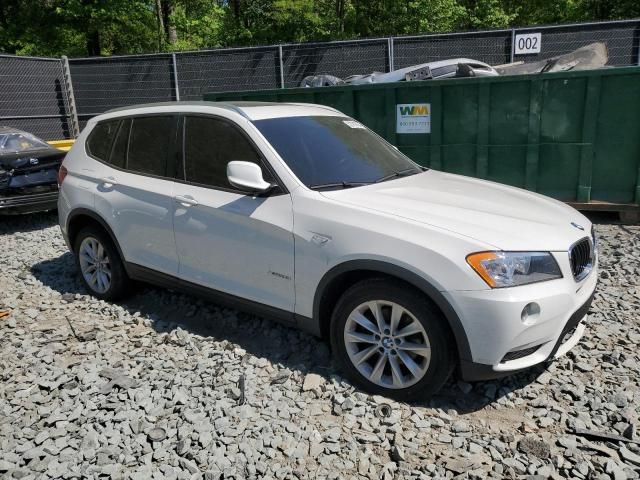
x: 334, y: 151
x: 20, y: 142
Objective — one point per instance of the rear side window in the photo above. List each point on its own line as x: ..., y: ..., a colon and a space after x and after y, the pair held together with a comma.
x: 209, y: 145
x: 101, y: 138
x: 150, y: 142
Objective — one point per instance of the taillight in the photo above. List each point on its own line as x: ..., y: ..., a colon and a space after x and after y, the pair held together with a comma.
x: 62, y: 173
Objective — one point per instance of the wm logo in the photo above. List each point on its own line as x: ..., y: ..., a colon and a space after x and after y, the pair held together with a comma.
x: 414, y: 110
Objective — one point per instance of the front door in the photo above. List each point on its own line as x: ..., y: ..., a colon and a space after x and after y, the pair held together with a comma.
x: 227, y: 240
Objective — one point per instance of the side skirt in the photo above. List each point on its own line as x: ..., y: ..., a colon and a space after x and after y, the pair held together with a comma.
x: 147, y: 275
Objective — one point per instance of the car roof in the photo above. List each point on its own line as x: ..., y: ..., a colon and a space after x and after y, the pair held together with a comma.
x: 249, y: 110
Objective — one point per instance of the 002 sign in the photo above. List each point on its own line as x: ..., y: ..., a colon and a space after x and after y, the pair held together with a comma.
x: 528, y: 43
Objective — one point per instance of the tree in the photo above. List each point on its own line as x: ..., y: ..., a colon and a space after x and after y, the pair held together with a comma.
x: 198, y: 24
x: 105, y: 27
x: 167, y: 10
x: 488, y: 14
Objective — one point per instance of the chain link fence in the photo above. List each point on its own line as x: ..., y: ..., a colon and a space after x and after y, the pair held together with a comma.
x: 622, y: 40
x: 493, y: 47
x: 102, y: 84
x: 226, y: 69
x: 340, y: 59
x: 34, y: 96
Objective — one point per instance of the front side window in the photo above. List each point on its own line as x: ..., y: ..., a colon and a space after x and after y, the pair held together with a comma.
x: 150, y: 144
x: 209, y: 145
x: 101, y: 138
x: 333, y: 151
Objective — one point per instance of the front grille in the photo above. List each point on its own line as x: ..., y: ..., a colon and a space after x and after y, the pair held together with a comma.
x: 519, y: 354
x: 581, y: 258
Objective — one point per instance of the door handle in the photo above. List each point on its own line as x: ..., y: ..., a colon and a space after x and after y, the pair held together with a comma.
x: 108, y: 182
x: 186, y: 200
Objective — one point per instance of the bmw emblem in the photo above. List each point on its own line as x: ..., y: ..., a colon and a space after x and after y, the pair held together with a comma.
x: 34, y: 161
x: 579, y: 227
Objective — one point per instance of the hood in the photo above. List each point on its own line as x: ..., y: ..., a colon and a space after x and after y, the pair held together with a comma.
x: 504, y: 217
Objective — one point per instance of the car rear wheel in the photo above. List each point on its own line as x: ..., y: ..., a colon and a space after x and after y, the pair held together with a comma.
x: 390, y: 340
x: 99, y: 264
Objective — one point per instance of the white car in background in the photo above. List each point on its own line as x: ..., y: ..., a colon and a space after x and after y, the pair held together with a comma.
x: 438, y: 70
x: 299, y: 213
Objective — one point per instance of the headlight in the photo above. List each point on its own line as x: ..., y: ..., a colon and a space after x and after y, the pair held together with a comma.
x: 508, y: 269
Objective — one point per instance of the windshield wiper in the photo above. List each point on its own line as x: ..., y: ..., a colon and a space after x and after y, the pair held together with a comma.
x: 402, y: 173
x: 334, y: 185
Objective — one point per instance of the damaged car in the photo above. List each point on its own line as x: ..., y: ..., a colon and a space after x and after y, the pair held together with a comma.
x: 588, y: 57
x: 452, y: 68
x: 28, y: 172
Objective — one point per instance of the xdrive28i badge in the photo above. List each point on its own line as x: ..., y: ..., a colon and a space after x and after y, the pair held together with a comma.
x: 579, y: 227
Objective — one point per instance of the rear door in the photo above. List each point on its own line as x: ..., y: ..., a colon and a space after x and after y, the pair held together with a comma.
x: 227, y: 240
x: 134, y: 189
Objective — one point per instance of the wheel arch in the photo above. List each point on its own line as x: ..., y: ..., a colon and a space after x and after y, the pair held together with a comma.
x: 333, y: 283
x: 80, y: 218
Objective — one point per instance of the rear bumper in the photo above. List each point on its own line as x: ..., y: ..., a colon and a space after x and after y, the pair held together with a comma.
x: 37, y: 202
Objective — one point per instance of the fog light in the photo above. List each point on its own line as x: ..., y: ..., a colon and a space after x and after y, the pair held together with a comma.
x: 530, y: 313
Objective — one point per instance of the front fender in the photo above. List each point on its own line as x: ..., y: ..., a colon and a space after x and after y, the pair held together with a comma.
x: 405, y: 274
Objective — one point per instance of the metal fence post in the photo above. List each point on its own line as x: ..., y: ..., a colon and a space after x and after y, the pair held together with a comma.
x: 71, y: 99
x: 392, y: 66
x: 175, y: 76
x: 281, y: 61
x: 513, y: 45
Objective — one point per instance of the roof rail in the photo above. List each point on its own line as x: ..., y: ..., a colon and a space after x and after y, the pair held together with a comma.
x: 196, y: 103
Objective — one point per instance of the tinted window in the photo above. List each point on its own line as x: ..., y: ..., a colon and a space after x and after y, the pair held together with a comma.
x: 440, y: 71
x: 209, y: 145
x: 150, y: 142
x: 101, y: 138
x: 326, y: 150
x: 119, y: 149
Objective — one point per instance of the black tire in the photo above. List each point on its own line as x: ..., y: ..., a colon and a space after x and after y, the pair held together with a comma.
x: 442, y: 350
x: 120, y: 284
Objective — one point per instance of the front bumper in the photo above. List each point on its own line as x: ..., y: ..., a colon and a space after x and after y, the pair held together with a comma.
x: 37, y: 202
x: 503, y: 342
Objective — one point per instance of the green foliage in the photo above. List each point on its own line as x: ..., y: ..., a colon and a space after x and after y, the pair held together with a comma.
x: 489, y: 14
x: 199, y: 24
x: 106, y: 27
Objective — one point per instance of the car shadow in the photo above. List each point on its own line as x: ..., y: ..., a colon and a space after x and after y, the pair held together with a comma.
x: 283, y: 345
x: 27, y: 222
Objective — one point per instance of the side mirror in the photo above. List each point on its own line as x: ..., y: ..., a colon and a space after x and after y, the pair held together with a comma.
x: 247, y: 176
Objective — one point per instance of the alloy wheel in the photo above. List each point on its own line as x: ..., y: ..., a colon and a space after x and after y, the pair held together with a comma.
x: 94, y: 265
x: 387, y: 344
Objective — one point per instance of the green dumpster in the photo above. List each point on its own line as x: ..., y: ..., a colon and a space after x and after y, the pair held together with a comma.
x: 574, y: 136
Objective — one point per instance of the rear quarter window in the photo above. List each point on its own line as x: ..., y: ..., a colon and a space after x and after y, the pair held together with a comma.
x: 118, y: 156
x: 101, y: 138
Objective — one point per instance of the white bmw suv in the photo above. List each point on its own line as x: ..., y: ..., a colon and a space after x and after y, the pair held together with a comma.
x: 300, y: 213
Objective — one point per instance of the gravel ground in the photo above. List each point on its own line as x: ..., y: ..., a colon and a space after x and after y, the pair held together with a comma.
x: 168, y: 386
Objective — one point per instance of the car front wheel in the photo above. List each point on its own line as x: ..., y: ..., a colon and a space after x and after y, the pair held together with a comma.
x: 390, y: 340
